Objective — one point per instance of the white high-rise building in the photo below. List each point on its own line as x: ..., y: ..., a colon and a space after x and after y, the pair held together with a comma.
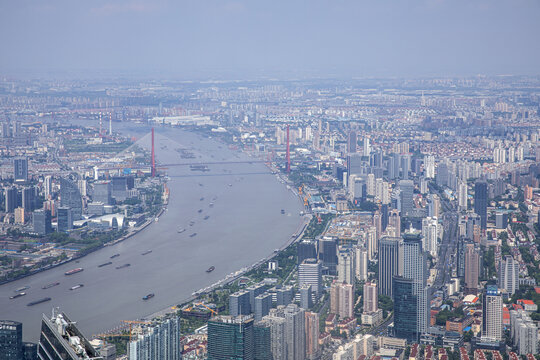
x: 370, y: 298
x: 429, y: 166
x: 511, y: 154
x: 367, y: 147
x: 385, y: 197
x: 370, y: 186
x: 509, y: 275
x: 47, y: 187
x: 462, y: 196
x: 361, y: 263
x: 371, y: 241
x: 310, y: 273
x: 346, y: 267
x: 159, y: 341
x: 295, y: 324
x: 430, y: 235
x: 492, y: 315
x: 524, y: 332
x: 379, y: 183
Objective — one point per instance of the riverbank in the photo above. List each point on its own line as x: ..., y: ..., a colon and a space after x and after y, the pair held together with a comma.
x: 76, y: 258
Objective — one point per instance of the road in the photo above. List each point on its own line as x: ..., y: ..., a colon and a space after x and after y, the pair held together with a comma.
x: 447, y: 248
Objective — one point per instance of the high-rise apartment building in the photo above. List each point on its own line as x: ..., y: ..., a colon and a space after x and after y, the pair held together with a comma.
x: 430, y: 235
x: 492, y: 315
x: 342, y: 300
x: 429, y: 166
x: 472, y: 268
x: 509, y: 275
x: 295, y: 332
x: 524, y: 332
x: 20, y: 169
x: 361, y: 263
x: 10, y: 199
x: 346, y: 267
x: 462, y: 196
x: 159, y: 340
x: 312, y: 335
x: 370, y: 298
x: 278, y: 341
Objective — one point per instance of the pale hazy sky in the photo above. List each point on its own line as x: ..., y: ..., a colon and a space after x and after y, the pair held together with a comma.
x: 254, y: 38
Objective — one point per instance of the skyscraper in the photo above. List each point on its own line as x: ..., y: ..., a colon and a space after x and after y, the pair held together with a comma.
x: 480, y: 201
x: 41, y: 221
x: 102, y: 192
x: 262, y: 341
x: 509, y: 275
x: 429, y: 166
x: 239, y: 303
x: 351, y: 142
x: 472, y: 268
x: 406, y: 196
x: 310, y: 273
x: 388, y: 263
x: 342, y: 300
x: 361, y: 263
x: 20, y: 169
x: 295, y: 324
x: 263, y: 303
x: 306, y: 296
x: 59, y: 335
x: 230, y: 337
x: 328, y: 255
x: 430, y: 235
x: 346, y: 267
x: 11, y: 345
x: 10, y: 198
x: 64, y: 219
x: 462, y: 196
x: 278, y: 342
x: 415, y: 269
x: 492, y: 314
x: 370, y: 298
x: 405, y: 309
x: 160, y: 340
x: 306, y: 249
x: 71, y: 197
x: 312, y: 335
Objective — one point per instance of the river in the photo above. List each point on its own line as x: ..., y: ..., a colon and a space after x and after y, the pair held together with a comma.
x: 245, y: 224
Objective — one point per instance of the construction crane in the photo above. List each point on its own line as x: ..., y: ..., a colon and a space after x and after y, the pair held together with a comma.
x: 211, y: 310
x: 131, y: 322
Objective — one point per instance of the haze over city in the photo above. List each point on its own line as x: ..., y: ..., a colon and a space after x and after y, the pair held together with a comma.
x: 255, y: 39
x: 269, y: 180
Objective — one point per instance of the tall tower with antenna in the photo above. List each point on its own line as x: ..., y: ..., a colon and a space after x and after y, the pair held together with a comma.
x: 100, y: 124
x: 110, y: 124
x: 288, y: 153
x: 153, y: 156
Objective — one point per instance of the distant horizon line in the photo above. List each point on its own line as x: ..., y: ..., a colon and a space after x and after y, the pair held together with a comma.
x: 227, y: 77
